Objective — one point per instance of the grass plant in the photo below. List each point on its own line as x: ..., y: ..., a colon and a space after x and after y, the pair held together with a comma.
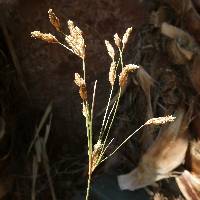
x: 75, y: 43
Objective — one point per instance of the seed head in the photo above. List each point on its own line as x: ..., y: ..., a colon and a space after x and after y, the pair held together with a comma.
x: 117, y: 40
x: 95, y: 155
x: 112, y: 73
x: 82, y: 86
x: 54, y: 20
x: 126, y: 36
x: 75, y: 40
x: 110, y: 49
x: 123, y: 77
x: 48, y: 37
x: 160, y: 120
x: 85, y: 110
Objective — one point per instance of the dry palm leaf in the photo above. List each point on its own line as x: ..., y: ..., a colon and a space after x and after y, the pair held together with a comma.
x: 187, y: 9
x: 182, y: 46
x: 189, y: 184
x: 159, y: 16
x: 146, y: 82
x: 165, y: 154
x: 195, y: 73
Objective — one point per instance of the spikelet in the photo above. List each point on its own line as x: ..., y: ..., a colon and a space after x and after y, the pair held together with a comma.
x: 48, y: 37
x: 126, y: 36
x: 95, y: 155
x: 82, y: 86
x: 85, y: 110
x: 75, y: 40
x: 110, y: 49
x: 117, y: 40
x: 124, y: 74
x: 54, y: 20
x: 160, y: 120
x: 112, y: 73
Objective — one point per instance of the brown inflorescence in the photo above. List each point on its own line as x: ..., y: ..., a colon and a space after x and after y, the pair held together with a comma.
x: 54, y: 20
x: 117, y: 40
x: 95, y: 155
x: 126, y: 36
x: 160, y: 120
x: 110, y: 49
x: 75, y: 40
x: 48, y: 37
x: 82, y: 86
x: 112, y: 73
x: 124, y: 74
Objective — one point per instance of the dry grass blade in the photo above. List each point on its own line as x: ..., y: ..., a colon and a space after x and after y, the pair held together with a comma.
x: 47, y: 169
x: 146, y: 82
x: 2, y: 127
x: 35, y: 172
x: 41, y: 125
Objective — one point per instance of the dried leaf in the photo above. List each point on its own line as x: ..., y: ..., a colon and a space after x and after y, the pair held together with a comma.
x: 146, y: 82
x: 2, y: 127
x: 195, y: 73
x: 189, y: 185
x: 183, y: 45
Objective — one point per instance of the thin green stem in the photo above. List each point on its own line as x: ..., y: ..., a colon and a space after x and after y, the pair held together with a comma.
x: 105, y: 115
x: 83, y: 64
x: 65, y: 47
x: 122, y: 143
x: 88, y: 187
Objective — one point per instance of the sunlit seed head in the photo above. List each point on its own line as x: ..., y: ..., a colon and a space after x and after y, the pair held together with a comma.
x: 110, y: 49
x: 160, y: 120
x: 54, y: 20
x: 48, y: 37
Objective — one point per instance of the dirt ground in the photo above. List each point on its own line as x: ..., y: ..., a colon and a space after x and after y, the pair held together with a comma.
x: 34, y: 73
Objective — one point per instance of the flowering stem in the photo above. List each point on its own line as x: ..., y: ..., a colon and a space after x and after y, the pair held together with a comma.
x: 123, y: 143
x: 88, y: 187
x: 83, y: 63
x: 105, y: 115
